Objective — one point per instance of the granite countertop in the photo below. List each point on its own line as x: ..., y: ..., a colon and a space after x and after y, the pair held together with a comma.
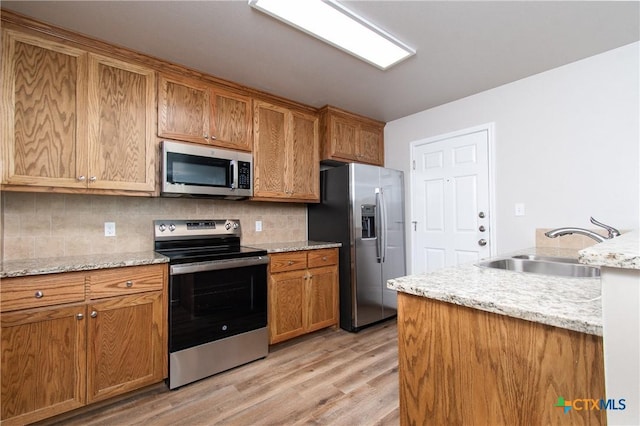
x: 570, y: 303
x: 619, y: 252
x: 53, y: 265
x: 295, y: 246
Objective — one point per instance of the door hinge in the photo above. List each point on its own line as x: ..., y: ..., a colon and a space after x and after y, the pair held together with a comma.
x: 414, y: 164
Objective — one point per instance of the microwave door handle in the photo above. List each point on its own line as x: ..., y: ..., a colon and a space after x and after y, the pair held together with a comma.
x: 233, y: 174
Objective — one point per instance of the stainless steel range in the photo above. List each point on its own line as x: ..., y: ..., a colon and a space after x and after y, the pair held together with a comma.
x: 217, y: 298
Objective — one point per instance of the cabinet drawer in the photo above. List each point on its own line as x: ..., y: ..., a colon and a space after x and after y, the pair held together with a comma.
x: 323, y: 257
x: 128, y: 280
x: 282, y: 262
x: 41, y: 290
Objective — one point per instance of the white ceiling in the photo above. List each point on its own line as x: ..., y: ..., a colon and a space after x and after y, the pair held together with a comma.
x: 462, y: 47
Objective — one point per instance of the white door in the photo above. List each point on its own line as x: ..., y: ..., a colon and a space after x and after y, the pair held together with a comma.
x: 450, y: 200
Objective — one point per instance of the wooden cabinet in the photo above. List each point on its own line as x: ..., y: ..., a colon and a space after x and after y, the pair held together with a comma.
x: 351, y: 138
x: 196, y: 111
x: 286, y: 158
x: 303, y: 293
x: 75, y: 338
x: 459, y: 365
x: 74, y: 120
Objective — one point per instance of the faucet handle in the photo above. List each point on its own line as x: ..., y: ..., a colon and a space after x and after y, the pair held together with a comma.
x: 613, y: 232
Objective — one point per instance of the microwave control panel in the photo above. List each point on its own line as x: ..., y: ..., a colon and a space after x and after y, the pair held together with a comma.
x: 244, y: 175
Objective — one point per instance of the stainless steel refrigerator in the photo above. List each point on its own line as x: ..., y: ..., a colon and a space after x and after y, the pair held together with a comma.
x: 362, y: 207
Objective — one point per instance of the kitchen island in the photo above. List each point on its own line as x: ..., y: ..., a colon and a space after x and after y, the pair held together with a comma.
x: 488, y: 346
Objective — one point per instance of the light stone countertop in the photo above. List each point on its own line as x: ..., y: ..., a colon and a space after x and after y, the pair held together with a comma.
x: 294, y: 246
x: 570, y: 303
x: 618, y: 252
x: 54, y: 265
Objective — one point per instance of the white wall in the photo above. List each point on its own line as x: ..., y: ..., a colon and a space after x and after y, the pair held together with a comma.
x: 566, y: 145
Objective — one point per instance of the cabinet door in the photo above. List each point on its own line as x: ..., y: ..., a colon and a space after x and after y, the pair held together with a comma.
x: 231, y: 120
x: 183, y: 109
x: 370, y: 145
x: 304, y: 170
x: 43, y: 362
x: 43, y: 112
x: 121, y: 124
x: 269, y: 148
x: 124, y: 349
x: 322, y: 298
x: 286, y: 298
x: 343, y: 134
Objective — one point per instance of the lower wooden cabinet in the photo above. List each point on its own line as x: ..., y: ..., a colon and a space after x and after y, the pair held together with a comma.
x: 61, y: 357
x: 303, y: 293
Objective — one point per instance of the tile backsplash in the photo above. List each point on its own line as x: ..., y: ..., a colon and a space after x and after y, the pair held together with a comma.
x: 573, y: 241
x: 40, y: 225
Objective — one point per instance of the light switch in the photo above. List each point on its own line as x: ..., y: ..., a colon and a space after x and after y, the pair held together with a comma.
x: 519, y: 209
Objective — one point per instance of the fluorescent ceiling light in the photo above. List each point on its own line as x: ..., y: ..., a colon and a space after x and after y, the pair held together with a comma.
x: 333, y: 23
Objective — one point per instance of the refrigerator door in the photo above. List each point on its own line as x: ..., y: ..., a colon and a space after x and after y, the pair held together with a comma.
x: 393, y: 266
x: 365, y: 207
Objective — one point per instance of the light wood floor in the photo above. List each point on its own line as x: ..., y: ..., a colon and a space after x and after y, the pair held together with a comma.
x: 331, y: 377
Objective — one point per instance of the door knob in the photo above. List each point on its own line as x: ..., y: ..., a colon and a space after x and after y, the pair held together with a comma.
x: 482, y: 242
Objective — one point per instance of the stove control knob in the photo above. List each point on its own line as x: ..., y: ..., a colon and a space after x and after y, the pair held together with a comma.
x: 235, y: 225
x: 162, y: 227
x: 172, y: 227
x: 227, y: 226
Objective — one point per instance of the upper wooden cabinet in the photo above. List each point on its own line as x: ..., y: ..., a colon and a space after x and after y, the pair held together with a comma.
x: 351, y: 138
x: 286, y: 160
x: 74, y: 120
x: 196, y: 111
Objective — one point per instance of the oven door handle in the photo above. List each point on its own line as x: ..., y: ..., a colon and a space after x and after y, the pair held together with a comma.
x: 216, y: 265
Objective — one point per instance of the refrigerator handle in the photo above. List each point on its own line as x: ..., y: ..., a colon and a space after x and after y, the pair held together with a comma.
x: 378, y: 219
x: 383, y: 226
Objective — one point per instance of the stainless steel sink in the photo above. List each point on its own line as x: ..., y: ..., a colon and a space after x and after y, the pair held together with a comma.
x: 538, y: 265
x: 547, y: 258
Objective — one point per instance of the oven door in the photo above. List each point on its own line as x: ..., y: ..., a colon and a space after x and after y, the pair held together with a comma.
x: 214, y: 300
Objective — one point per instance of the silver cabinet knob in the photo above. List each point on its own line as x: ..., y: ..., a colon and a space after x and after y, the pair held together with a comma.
x: 291, y: 262
x: 129, y: 284
x: 39, y: 294
x: 94, y: 314
x: 213, y: 138
x: 92, y: 179
x: 81, y: 178
x: 481, y: 228
x: 79, y: 316
x: 482, y: 242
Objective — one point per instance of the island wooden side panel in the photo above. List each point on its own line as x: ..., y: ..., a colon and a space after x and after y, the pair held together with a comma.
x: 462, y: 366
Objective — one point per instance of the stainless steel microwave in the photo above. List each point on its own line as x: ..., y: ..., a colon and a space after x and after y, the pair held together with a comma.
x: 203, y: 171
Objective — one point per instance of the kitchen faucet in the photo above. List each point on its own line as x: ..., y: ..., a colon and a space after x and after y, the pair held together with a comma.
x: 613, y: 232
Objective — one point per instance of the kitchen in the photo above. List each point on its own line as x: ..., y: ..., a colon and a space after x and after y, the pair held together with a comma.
x: 555, y: 123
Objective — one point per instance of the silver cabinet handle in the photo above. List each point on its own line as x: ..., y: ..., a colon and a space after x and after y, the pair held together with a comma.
x: 39, y: 294
x: 291, y: 262
x: 482, y: 242
x: 92, y: 179
x: 94, y: 314
x: 213, y: 138
x: 129, y: 284
x: 79, y: 316
x: 324, y: 258
x: 81, y: 178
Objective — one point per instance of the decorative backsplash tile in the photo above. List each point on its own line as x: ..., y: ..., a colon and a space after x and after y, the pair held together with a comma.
x: 40, y: 225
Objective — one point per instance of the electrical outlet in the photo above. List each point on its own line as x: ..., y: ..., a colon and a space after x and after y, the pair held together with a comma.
x: 519, y: 209
x: 258, y: 226
x: 109, y: 229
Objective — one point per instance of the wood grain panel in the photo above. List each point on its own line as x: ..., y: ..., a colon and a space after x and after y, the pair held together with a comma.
x: 321, y: 298
x: 43, y: 110
x: 124, y: 350
x: 121, y: 123
x: 286, y: 298
x: 269, y: 146
x: 322, y: 257
x: 54, y: 289
x: 283, y: 262
x: 371, y: 145
x: 231, y: 122
x: 304, y: 166
x: 43, y: 363
x: 463, y: 366
x: 183, y: 109
x: 343, y: 138
x: 115, y: 282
